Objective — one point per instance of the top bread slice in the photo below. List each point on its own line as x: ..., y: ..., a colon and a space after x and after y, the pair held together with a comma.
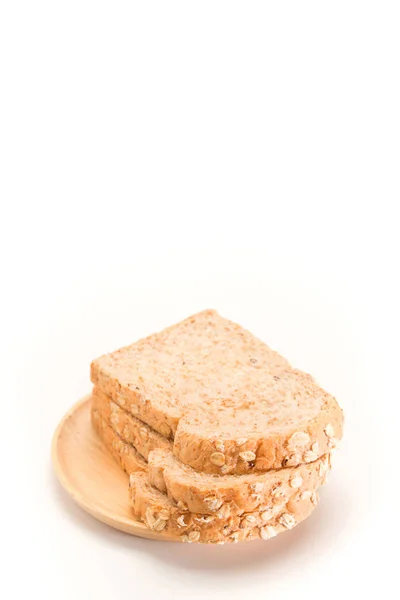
x: 230, y: 403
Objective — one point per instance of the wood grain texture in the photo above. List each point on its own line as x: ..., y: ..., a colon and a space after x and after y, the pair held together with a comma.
x: 91, y: 476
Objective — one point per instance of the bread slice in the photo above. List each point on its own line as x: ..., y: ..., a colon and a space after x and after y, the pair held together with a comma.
x: 142, y: 437
x: 231, y: 403
x: 204, y: 493
x: 211, y: 494
x: 261, y: 437
x: 160, y: 514
x: 125, y: 455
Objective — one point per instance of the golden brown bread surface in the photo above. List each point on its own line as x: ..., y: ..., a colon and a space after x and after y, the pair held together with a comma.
x: 161, y: 514
x: 232, y: 405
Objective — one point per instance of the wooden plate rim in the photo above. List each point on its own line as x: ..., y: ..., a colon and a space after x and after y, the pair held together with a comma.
x: 127, y: 525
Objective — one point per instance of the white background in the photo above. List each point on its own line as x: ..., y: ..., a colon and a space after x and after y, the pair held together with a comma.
x: 158, y: 158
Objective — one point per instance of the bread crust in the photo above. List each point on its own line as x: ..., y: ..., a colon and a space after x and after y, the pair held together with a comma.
x: 203, y: 493
x: 158, y: 513
x: 143, y: 438
x: 125, y: 455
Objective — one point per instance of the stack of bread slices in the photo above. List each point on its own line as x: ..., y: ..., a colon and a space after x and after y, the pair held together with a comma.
x: 223, y: 440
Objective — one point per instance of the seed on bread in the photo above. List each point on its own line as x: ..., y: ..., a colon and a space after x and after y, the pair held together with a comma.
x: 323, y: 468
x: 257, y: 487
x: 310, y: 456
x: 293, y: 460
x: 296, y: 482
x: 266, y: 515
x: 181, y: 521
x: 241, y: 441
x: 217, y: 459
x: 205, y: 518
x: 213, y: 503
x: 315, y: 448
x: 224, y: 512
x: 329, y: 431
x: 248, y: 455
x: 220, y: 446
x: 287, y: 520
x: 278, y: 490
x: 299, y: 438
x: 266, y: 533
x: 227, y: 529
x: 225, y: 469
x: 134, y: 409
x: 248, y: 521
x: 159, y: 524
x: 194, y: 536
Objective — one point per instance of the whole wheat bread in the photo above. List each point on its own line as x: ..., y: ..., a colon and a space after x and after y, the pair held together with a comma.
x: 130, y: 429
x: 161, y: 514
x: 211, y: 494
x: 205, y: 493
x: 231, y: 403
x: 125, y: 455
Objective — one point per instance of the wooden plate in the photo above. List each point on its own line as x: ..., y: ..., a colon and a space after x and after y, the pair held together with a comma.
x: 91, y: 476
